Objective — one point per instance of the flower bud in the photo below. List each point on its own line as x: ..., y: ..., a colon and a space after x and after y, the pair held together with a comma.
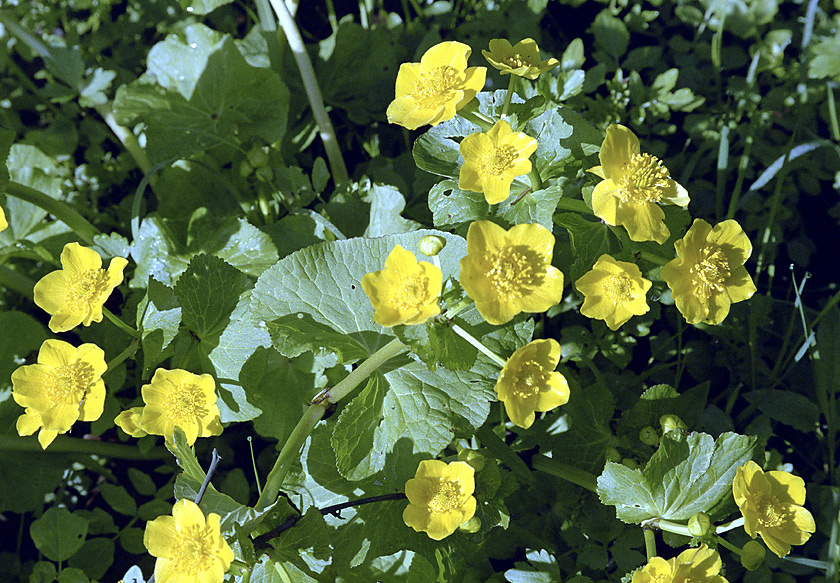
x: 699, y: 524
x: 670, y: 423
x: 471, y: 526
x: 629, y: 462
x: 611, y: 455
x: 752, y: 555
x: 649, y: 436
x: 258, y: 157
x: 472, y: 457
x: 431, y: 245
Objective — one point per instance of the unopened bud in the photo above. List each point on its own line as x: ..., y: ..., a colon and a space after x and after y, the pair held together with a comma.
x: 649, y: 436
x: 258, y: 157
x: 472, y: 457
x: 671, y: 423
x: 611, y: 455
x: 699, y: 524
x: 471, y: 526
x: 630, y: 463
x: 752, y: 555
x: 431, y: 245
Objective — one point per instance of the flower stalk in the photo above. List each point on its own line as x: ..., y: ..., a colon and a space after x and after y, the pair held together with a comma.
x: 60, y: 210
x: 314, y: 413
x: 566, y: 472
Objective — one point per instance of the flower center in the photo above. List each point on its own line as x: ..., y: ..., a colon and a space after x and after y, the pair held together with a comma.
x: 447, y: 496
x: 193, y: 550
x: 769, y: 512
x: 435, y: 87
x: 186, y: 403
x: 498, y: 160
x: 711, y: 271
x: 67, y: 384
x: 84, y: 287
x: 529, y: 379
x: 515, y: 61
x: 645, y: 179
x: 413, y: 292
x: 515, y: 270
x: 618, y: 288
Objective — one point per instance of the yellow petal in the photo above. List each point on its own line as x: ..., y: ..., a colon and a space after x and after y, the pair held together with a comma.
x: 619, y: 147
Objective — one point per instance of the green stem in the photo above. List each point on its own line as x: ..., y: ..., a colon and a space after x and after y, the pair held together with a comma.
x: 120, y: 324
x: 574, y: 205
x: 511, y: 90
x: 65, y: 444
x: 652, y: 257
x: 743, y: 165
x: 832, y: 113
x: 477, y: 343
x: 125, y: 354
x: 313, y: 92
x: 453, y: 311
x: 674, y: 527
x: 535, y: 180
x: 313, y: 414
x: 470, y: 113
x: 569, y: 473
x: 126, y: 138
x: 727, y: 545
x: 18, y: 282
x: 60, y: 210
x: 650, y: 543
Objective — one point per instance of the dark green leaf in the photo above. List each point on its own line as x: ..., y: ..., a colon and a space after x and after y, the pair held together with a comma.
x: 297, y: 333
x: 58, y: 533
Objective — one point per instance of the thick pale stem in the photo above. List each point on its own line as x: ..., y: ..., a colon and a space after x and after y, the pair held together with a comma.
x: 120, y: 324
x: 312, y: 415
x: 313, y: 92
x: 477, y: 343
x: 64, y: 444
x: 60, y: 210
x: 650, y: 543
x: 126, y: 138
x: 511, y: 90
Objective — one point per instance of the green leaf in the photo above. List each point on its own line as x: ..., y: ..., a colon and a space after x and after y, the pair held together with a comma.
x: 249, y: 250
x: 67, y: 64
x: 663, y: 399
x: 31, y: 167
x: 208, y: 291
x: 141, y: 482
x: 202, y: 6
x: 302, y: 552
x: 590, y: 239
x: 118, y: 498
x: 94, y: 558
x: 155, y: 254
x: 158, y: 320
x: 94, y: 92
x: 788, y: 407
x: 610, y: 34
x: 7, y: 138
x: 28, y: 336
x: 826, y: 59
x: 386, y: 204
x: 231, y: 102
x: 566, y: 142
x: 689, y: 473
x: 58, y: 534
x: 360, y: 449
x: 72, y: 575
x: 295, y: 334
x: 437, y: 154
x: 40, y: 479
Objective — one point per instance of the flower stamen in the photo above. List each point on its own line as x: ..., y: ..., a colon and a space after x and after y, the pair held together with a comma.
x: 645, y: 179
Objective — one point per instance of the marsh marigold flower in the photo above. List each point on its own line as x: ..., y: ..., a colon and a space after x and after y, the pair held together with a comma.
x: 522, y: 59
x: 4, y: 224
x: 76, y: 293
x: 440, y: 497
x: 772, y: 506
x: 633, y: 187
x: 508, y: 272
x: 64, y: 386
x: 613, y: 291
x: 529, y: 383
x: 406, y: 291
x: 189, y: 547
x: 708, y: 274
x: 175, y: 398
x: 434, y: 89
x: 494, y: 159
x: 700, y: 565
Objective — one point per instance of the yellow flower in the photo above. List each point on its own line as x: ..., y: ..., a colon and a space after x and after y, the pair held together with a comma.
x: 440, y: 498
x: 771, y: 503
x: 178, y: 398
x: 700, y: 565
x: 432, y: 90
x: 708, y: 274
x: 129, y: 421
x: 494, y: 159
x: 508, y: 272
x: 64, y: 386
x: 634, y: 184
x: 405, y: 292
x: 522, y: 60
x: 188, y: 547
x: 76, y: 293
x: 4, y: 224
x: 529, y: 383
x: 614, y: 291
